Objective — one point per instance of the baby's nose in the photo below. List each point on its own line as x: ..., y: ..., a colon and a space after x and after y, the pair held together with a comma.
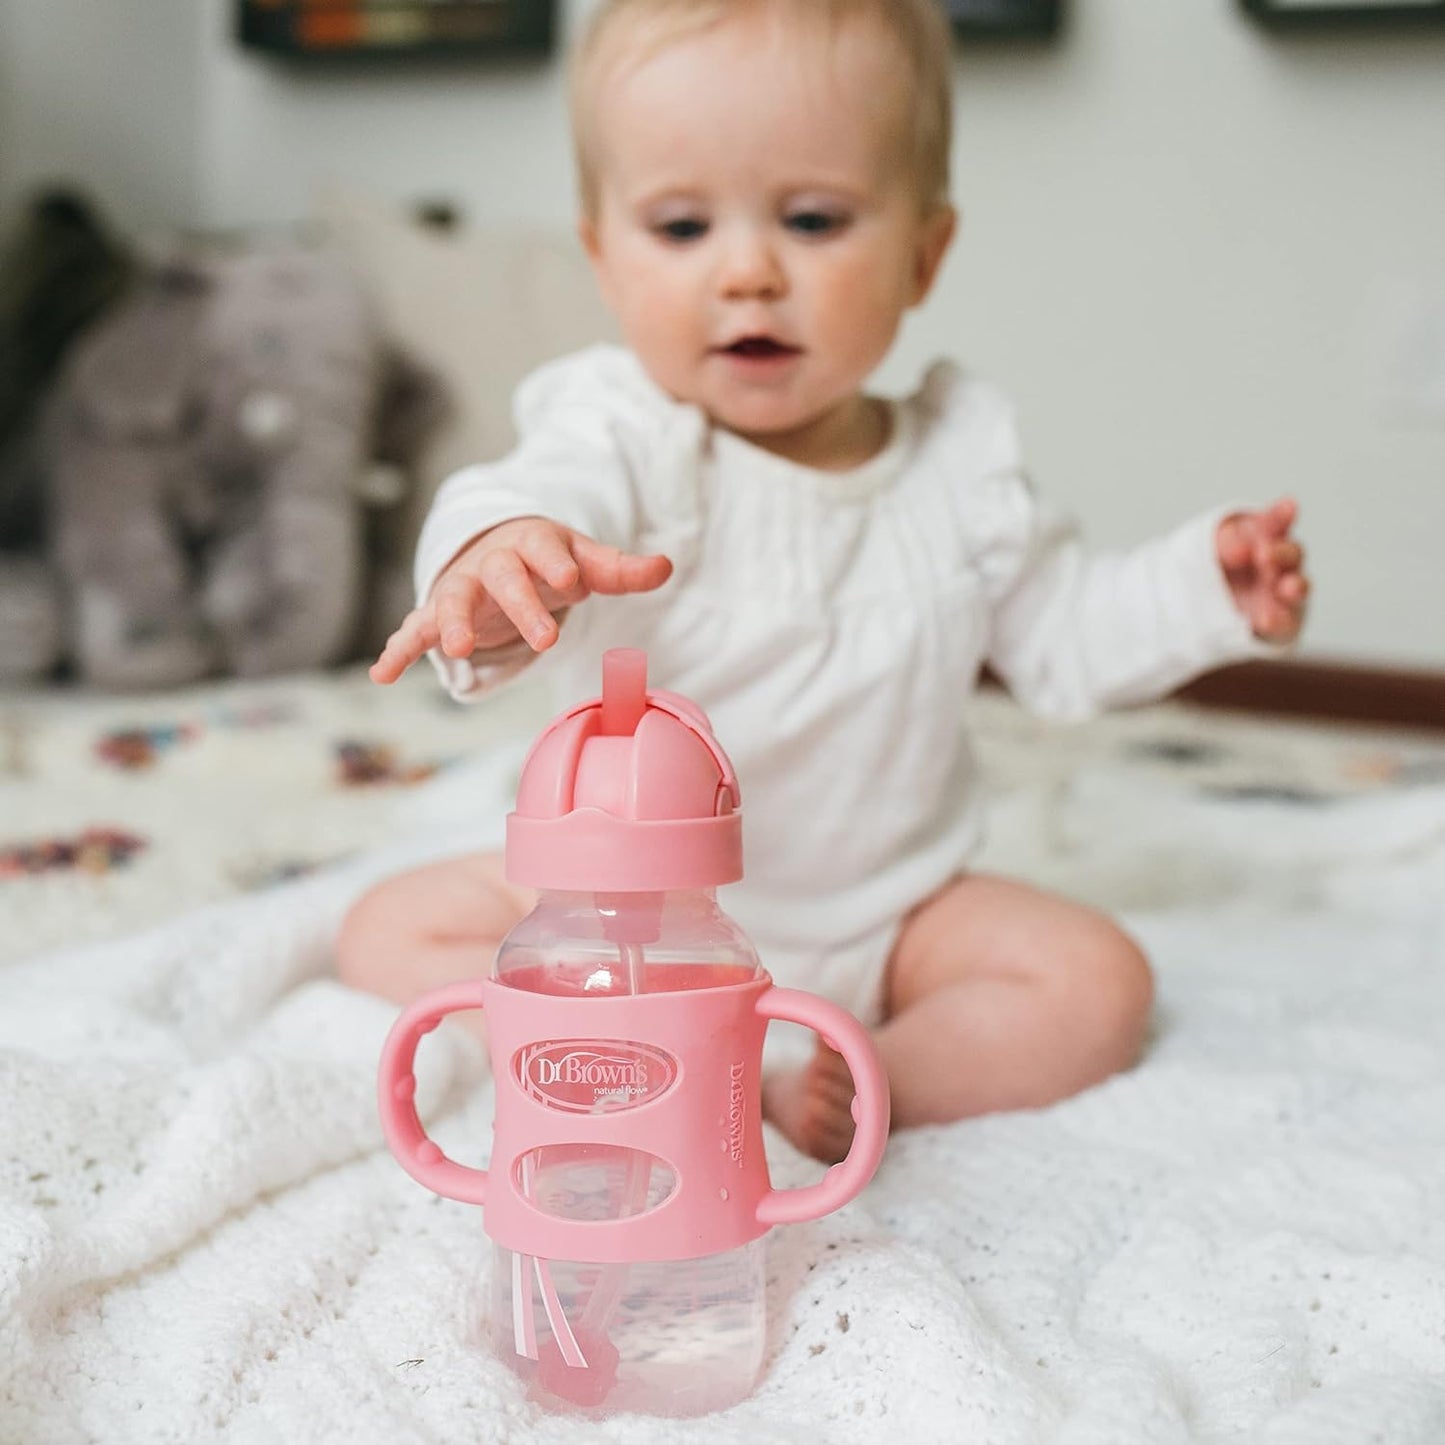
x: 751, y: 269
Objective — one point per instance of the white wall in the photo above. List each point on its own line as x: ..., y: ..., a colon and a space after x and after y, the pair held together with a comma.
x: 490, y: 135
x: 106, y: 93
x: 1184, y: 239
x: 1208, y: 261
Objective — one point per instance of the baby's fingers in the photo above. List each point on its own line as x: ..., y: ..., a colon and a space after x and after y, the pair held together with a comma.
x: 1282, y: 614
x: 416, y: 636
x: 455, y: 601
x: 547, y: 554
x: 1235, y: 541
x: 1280, y: 516
x: 1274, y: 558
x: 1293, y: 588
x: 514, y: 590
x: 611, y: 571
x: 1280, y: 624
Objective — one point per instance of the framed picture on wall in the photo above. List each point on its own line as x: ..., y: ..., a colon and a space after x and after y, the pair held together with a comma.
x: 1004, y: 17
x: 335, y: 28
x: 1343, y: 12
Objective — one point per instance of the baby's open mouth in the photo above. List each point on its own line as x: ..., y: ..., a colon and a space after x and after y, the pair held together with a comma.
x: 760, y: 348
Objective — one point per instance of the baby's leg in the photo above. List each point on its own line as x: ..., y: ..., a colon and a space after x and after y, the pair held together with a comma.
x: 438, y: 924
x: 998, y: 997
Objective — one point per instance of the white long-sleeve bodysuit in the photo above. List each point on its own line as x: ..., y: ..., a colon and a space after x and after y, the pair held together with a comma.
x: 833, y: 625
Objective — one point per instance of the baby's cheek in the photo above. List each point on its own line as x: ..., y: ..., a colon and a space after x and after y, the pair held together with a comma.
x: 661, y: 328
x: 862, y: 304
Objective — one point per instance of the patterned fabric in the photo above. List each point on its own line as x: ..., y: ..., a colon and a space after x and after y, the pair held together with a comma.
x: 96, y: 850
x: 116, y: 813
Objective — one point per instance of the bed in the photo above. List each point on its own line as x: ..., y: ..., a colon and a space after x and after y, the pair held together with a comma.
x: 203, y: 1238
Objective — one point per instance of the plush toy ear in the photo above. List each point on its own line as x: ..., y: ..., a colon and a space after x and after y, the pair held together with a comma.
x: 134, y: 375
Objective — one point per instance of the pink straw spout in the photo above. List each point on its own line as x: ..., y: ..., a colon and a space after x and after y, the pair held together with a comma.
x: 624, y: 690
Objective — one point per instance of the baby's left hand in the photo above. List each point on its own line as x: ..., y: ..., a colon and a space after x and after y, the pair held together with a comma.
x: 1264, y: 567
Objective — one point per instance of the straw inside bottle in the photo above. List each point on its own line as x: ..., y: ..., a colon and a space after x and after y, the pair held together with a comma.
x: 611, y: 1279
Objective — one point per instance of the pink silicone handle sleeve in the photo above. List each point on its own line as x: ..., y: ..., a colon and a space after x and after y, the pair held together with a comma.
x: 840, y: 1031
x: 396, y: 1096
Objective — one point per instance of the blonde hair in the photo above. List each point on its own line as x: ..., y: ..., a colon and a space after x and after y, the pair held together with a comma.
x: 918, y: 26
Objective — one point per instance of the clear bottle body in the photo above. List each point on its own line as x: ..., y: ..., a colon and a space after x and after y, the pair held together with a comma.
x: 668, y: 1337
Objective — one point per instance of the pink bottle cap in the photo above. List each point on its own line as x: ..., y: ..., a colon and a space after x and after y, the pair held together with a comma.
x: 627, y: 793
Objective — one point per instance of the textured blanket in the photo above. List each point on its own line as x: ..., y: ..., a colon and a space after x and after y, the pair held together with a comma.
x: 202, y: 1238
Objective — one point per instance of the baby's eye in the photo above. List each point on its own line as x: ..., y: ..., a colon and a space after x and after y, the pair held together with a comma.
x: 816, y: 223
x: 685, y: 228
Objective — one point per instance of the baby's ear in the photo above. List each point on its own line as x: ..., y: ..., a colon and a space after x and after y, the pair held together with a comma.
x: 588, y: 234
x: 935, y: 235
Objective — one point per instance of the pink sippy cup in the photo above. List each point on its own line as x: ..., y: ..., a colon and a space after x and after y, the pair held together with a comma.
x: 628, y: 1194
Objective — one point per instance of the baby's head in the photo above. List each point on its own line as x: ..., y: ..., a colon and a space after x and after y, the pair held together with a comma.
x: 764, y: 191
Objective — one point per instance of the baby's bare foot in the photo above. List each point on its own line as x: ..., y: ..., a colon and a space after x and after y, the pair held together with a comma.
x: 813, y: 1106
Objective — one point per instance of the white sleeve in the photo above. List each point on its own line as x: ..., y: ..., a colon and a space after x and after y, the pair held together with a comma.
x: 1072, y: 634
x: 581, y: 423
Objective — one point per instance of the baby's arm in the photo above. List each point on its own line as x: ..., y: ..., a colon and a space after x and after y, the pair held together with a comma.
x: 514, y: 581
x: 1073, y: 633
x: 508, y: 546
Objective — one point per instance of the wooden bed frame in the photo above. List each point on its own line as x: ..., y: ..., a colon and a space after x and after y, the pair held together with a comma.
x: 1321, y: 690
x: 1327, y: 690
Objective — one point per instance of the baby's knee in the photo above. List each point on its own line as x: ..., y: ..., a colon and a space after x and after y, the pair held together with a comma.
x: 1131, y: 993
x: 365, y: 940
x: 1120, y: 996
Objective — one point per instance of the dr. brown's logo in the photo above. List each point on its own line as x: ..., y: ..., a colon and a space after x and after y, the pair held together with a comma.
x: 588, y: 1076
x: 737, y: 1106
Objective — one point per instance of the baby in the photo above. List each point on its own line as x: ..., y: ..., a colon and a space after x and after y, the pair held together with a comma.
x: 764, y: 194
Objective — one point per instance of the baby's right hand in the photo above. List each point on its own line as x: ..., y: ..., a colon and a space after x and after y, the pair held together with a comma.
x: 511, y: 581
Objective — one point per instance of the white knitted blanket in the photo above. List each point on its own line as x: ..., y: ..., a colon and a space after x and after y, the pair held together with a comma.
x: 202, y: 1238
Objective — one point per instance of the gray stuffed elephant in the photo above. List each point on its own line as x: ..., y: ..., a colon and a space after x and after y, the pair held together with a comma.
x: 205, y: 450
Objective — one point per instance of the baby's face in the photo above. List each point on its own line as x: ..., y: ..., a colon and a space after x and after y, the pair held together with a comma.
x: 757, y: 228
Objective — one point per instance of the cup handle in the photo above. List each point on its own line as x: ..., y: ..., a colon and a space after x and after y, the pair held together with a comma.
x: 396, y: 1096
x: 841, y: 1031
